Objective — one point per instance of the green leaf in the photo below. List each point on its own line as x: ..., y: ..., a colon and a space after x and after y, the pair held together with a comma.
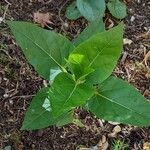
x: 92, y: 29
x: 66, y: 94
x: 65, y: 119
x: 45, y: 50
x: 120, y: 102
x: 39, y: 114
x: 7, y: 148
x: 117, y: 9
x: 91, y: 10
x: 99, y: 53
x: 72, y: 11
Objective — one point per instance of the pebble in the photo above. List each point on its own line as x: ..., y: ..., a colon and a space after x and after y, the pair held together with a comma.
x: 5, y: 95
x: 1, y: 19
x: 132, y: 19
x: 127, y: 41
x: 139, y: 1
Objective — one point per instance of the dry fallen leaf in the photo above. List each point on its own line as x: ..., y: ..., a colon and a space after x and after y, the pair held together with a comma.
x: 42, y: 18
x: 146, y: 146
x: 103, y: 144
x: 146, y: 35
x: 116, y: 130
x: 148, y: 74
x: 146, y: 58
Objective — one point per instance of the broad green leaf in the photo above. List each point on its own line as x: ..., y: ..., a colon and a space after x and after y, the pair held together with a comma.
x: 45, y: 50
x: 120, y: 102
x: 66, y: 119
x: 91, y: 9
x: 117, y: 9
x: 39, y: 114
x: 72, y: 11
x: 92, y: 29
x: 66, y: 94
x: 100, y: 53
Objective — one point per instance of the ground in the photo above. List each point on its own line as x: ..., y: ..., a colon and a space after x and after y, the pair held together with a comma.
x: 19, y: 82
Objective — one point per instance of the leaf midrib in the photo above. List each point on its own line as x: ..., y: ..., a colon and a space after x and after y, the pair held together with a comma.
x: 111, y: 100
x: 41, y: 49
x: 106, y: 46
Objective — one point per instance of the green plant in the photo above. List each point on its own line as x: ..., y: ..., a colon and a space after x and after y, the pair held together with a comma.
x: 93, y: 10
x: 119, y: 145
x: 79, y: 77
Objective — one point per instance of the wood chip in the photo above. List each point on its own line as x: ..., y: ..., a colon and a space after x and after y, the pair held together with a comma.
x: 127, y: 41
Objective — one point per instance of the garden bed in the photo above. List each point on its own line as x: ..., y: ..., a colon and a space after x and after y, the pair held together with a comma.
x: 19, y: 82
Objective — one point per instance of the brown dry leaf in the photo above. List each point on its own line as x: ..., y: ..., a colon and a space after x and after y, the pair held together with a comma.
x: 146, y: 58
x: 148, y: 74
x: 41, y: 18
x: 146, y: 146
x: 103, y: 144
x: 116, y: 130
x: 146, y: 35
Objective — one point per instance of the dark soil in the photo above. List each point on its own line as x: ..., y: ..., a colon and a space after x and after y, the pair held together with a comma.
x: 19, y: 82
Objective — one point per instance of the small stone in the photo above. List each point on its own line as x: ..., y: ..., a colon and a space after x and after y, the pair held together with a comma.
x: 5, y: 95
x: 5, y: 79
x: 1, y: 19
x: 139, y: 1
x: 65, y: 26
x: 33, y: 146
x: 132, y: 19
x: 127, y: 41
x: 11, y: 101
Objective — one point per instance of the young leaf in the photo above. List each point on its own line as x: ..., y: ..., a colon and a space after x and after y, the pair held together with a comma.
x: 45, y: 50
x: 120, y: 102
x: 92, y: 29
x: 117, y: 9
x: 39, y: 114
x: 72, y: 11
x: 66, y: 94
x: 91, y: 10
x: 99, y: 53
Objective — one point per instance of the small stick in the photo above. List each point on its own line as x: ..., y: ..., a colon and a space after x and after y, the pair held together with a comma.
x: 7, y: 2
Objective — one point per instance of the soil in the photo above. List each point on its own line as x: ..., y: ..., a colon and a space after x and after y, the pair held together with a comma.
x: 19, y: 82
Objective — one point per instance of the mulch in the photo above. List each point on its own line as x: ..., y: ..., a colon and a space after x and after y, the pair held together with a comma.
x: 19, y: 82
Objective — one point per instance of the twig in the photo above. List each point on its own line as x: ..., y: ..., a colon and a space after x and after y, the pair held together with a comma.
x: 22, y: 96
x: 7, y: 2
x: 59, y: 13
x: 4, y: 15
